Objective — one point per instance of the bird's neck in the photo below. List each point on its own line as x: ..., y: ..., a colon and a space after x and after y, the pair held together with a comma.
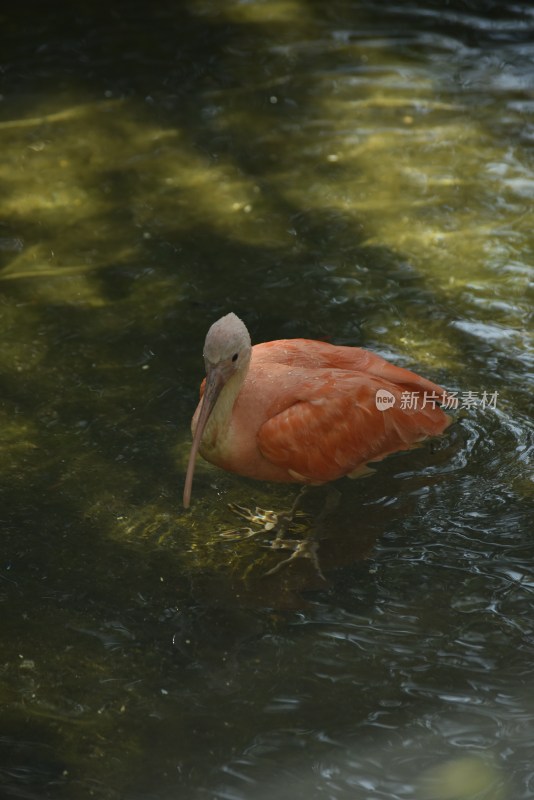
x: 221, y: 416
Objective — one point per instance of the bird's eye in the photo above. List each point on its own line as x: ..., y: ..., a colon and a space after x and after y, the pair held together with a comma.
x: 235, y: 356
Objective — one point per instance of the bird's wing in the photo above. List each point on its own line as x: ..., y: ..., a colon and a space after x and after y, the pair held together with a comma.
x: 334, y: 427
x: 314, y: 355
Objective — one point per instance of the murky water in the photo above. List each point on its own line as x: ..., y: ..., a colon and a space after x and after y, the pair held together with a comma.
x: 357, y: 172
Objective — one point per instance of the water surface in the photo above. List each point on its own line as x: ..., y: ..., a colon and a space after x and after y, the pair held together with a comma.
x: 355, y: 172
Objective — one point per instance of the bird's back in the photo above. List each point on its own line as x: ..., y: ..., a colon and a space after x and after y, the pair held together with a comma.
x: 313, y: 355
x: 324, y: 420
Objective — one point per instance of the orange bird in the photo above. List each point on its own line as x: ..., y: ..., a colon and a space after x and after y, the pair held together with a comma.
x: 302, y: 411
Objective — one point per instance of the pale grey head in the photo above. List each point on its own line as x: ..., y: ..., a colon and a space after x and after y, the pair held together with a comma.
x: 227, y: 340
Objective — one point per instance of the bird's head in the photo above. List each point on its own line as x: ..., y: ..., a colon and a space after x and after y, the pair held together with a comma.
x: 227, y: 347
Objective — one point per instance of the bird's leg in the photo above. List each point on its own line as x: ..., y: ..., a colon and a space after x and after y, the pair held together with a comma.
x: 286, y: 529
x: 260, y: 516
x: 302, y: 548
x: 305, y: 548
x: 286, y: 520
x: 268, y: 521
x: 331, y: 503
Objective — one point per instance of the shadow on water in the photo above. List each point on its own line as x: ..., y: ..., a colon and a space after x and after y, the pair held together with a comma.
x: 166, y: 165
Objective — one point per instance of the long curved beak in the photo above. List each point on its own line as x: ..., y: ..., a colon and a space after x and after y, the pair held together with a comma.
x: 215, y: 380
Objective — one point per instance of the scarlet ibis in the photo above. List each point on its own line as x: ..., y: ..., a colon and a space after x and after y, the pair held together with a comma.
x: 303, y: 411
